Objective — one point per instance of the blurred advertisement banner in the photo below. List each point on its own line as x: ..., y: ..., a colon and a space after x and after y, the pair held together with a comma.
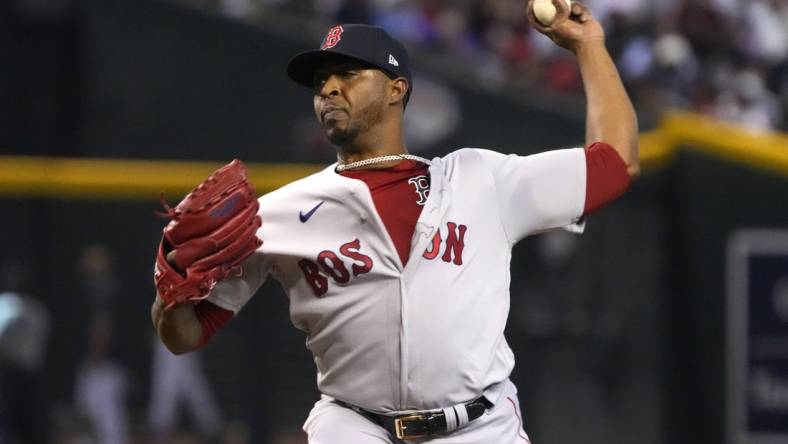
x: 758, y: 337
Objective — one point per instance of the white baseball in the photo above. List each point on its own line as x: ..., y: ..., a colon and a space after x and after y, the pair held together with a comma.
x: 545, y: 11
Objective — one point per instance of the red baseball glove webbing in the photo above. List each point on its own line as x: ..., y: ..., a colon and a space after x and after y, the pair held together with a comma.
x: 212, y: 231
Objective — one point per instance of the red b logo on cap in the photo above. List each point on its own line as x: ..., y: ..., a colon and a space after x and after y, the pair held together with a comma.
x: 332, y: 38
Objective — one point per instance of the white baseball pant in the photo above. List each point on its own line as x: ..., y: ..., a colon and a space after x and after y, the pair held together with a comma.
x: 332, y: 423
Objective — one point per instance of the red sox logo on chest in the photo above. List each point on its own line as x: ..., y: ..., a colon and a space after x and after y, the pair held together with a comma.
x: 422, y: 185
x: 333, y: 266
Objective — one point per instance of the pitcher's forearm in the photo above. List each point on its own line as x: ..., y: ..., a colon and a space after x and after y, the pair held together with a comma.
x: 178, y: 328
x: 610, y: 116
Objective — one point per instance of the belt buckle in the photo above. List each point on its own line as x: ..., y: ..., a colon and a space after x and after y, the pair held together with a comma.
x: 401, y: 427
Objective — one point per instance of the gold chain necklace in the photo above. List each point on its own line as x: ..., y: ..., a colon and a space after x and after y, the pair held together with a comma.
x: 389, y: 158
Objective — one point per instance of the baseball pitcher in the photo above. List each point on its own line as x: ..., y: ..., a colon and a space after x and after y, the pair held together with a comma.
x: 397, y: 267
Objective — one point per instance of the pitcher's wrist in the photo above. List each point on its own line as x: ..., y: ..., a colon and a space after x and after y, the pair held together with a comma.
x: 589, y: 48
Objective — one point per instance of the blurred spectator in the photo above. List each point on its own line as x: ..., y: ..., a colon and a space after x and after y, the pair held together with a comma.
x: 178, y: 380
x: 709, y: 32
x: 747, y: 101
x: 24, y: 328
x: 700, y: 55
x: 102, y: 383
x: 766, y: 26
x: 100, y: 391
x: 98, y: 280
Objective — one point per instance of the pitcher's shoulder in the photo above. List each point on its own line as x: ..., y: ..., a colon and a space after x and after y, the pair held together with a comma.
x: 466, y: 159
x: 466, y: 154
x: 299, y: 189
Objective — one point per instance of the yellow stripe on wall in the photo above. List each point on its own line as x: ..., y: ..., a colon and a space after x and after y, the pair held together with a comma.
x: 656, y: 150
x: 26, y: 176
x: 768, y: 151
x: 126, y: 179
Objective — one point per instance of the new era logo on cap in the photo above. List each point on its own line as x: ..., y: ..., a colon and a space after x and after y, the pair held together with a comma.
x: 393, y: 61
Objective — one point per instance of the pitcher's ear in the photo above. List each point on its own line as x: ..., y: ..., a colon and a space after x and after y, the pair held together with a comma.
x: 399, y: 90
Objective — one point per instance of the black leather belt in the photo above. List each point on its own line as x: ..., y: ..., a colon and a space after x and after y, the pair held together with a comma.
x: 422, y: 424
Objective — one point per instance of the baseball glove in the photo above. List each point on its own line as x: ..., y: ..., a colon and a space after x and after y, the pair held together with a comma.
x: 211, y: 231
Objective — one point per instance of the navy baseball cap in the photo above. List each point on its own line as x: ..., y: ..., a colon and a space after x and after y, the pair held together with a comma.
x: 367, y: 44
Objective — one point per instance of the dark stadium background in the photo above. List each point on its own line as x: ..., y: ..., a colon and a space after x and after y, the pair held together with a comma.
x: 619, y: 334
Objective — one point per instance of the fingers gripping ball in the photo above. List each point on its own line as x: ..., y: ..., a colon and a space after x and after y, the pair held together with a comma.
x: 212, y: 230
x: 545, y: 11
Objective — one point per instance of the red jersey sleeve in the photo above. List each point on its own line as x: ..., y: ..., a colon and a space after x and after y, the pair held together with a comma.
x: 606, y: 176
x: 212, y: 318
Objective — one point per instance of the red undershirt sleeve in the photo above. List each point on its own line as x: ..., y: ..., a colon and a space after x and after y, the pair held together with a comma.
x: 606, y: 176
x: 212, y: 318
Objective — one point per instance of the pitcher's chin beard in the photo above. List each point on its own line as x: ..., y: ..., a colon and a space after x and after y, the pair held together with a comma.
x: 341, y: 136
x: 344, y: 136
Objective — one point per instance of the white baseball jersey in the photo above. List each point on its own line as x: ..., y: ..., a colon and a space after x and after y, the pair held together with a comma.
x: 389, y: 338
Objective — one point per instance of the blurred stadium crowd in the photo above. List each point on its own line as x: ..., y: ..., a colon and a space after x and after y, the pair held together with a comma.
x: 727, y: 59
x: 107, y: 403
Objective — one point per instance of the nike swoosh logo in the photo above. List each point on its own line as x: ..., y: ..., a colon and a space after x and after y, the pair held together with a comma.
x: 305, y: 217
